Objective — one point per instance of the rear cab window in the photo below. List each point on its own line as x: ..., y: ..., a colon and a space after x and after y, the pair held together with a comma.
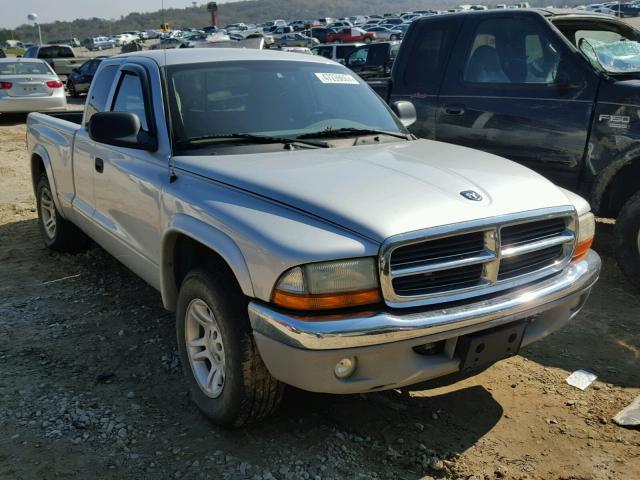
x: 56, y: 52
x: 427, y: 58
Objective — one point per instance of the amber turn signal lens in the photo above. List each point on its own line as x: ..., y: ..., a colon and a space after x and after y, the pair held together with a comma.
x: 328, y: 301
x: 582, y: 249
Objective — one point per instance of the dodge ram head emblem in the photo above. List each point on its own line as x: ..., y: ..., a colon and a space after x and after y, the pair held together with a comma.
x: 471, y: 195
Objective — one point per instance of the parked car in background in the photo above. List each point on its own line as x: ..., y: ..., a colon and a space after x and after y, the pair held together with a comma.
x: 340, y: 24
x: 30, y: 85
x: 383, y: 33
x: 554, y: 91
x: 62, y: 58
x: 373, y: 62
x: 72, y: 42
x: 320, y: 33
x: 352, y: 34
x: 335, y: 52
x: 278, y: 31
x: 296, y: 40
x: 98, y: 43
x: 79, y: 80
x: 152, y: 34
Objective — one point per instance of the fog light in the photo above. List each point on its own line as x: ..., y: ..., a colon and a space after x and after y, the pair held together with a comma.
x: 345, y: 367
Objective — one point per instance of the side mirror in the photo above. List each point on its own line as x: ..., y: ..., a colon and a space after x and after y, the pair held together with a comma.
x: 405, y: 111
x: 120, y: 129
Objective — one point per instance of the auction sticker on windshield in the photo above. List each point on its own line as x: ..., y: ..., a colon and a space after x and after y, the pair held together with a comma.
x: 342, y: 78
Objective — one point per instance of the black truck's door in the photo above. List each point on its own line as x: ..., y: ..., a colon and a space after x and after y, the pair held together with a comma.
x: 420, y: 66
x: 518, y: 89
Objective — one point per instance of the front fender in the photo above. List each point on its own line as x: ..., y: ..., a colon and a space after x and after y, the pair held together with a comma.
x: 211, y: 237
x: 40, y: 151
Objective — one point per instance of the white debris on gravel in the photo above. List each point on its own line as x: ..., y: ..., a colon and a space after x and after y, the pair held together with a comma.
x: 581, y: 379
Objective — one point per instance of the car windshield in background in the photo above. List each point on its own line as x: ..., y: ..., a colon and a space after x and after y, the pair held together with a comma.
x: 24, y: 68
x: 283, y: 99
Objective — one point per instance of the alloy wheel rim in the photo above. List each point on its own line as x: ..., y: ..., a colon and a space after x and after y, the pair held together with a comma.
x: 205, y: 348
x: 48, y: 212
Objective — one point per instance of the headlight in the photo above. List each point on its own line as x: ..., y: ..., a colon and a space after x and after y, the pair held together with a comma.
x: 586, y: 231
x: 329, y: 285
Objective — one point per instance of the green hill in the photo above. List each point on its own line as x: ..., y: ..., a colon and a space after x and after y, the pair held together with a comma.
x: 252, y: 11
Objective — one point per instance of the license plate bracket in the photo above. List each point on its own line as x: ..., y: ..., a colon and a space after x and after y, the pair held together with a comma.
x: 482, y: 349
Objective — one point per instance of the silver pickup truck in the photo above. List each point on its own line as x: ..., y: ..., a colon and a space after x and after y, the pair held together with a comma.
x: 299, y: 232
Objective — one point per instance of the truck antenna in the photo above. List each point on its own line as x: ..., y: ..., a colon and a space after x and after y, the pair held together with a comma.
x: 163, y: 76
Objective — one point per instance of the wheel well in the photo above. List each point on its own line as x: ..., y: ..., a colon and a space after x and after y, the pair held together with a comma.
x: 189, y: 253
x: 622, y: 187
x: 37, y: 169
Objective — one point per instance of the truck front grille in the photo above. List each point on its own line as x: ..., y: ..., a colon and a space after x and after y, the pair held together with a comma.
x: 463, y: 261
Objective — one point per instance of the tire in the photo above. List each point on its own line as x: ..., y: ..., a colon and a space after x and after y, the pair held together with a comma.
x: 393, y: 37
x: 367, y: 40
x: 71, y: 88
x: 627, y: 239
x: 58, y: 234
x: 245, y: 392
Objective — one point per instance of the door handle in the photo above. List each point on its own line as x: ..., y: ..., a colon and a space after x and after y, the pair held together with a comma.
x: 99, y: 165
x: 454, y: 109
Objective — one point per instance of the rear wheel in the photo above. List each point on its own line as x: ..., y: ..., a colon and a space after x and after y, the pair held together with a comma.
x: 393, y: 37
x: 367, y: 40
x: 71, y: 88
x: 57, y: 233
x: 627, y: 239
x: 227, y: 379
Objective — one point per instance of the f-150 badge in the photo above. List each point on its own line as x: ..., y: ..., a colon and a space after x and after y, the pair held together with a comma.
x: 616, y: 121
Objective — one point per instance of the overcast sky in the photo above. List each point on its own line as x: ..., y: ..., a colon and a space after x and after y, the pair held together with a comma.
x: 51, y: 10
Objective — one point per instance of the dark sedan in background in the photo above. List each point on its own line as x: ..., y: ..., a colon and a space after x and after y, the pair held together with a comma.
x: 79, y: 80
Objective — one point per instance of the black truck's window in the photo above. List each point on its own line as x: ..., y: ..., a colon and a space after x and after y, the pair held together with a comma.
x: 100, y: 88
x: 129, y: 98
x: 429, y: 55
x: 515, y: 51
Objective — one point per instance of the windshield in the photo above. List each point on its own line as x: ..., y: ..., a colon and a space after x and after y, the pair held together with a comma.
x: 24, y: 68
x: 614, y: 57
x: 271, y: 98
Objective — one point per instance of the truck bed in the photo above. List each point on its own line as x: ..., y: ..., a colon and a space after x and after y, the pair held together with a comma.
x: 73, y: 117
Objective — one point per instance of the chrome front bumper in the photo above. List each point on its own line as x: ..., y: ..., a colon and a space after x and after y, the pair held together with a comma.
x: 302, y: 351
x: 349, y: 330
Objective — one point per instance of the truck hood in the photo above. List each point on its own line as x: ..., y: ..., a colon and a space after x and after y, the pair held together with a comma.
x: 383, y: 190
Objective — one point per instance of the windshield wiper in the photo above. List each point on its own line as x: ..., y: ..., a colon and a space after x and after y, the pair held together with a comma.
x: 345, y: 132
x: 251, y: 137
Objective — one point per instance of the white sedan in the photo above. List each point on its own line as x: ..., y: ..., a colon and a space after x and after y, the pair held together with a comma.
x: 383, y: 33
x: 30, y: 85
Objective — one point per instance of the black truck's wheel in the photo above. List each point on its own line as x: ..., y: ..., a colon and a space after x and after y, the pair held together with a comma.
x: 627, y: 239
x: 58, y: 233
x: 227, y: 379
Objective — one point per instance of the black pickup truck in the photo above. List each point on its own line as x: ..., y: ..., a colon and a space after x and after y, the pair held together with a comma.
x: 557, y: 91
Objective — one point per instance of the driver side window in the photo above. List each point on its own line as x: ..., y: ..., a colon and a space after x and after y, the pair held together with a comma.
x: 511, y: 51
x: 130, y: 98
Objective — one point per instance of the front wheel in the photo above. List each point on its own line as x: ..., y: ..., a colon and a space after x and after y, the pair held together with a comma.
x: 227, y: 379
x: 627, y: 239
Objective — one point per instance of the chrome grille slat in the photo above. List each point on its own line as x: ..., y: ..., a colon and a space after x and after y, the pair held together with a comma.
x: 456, y: 262
x: 460, y: 261
x: 547, y: 242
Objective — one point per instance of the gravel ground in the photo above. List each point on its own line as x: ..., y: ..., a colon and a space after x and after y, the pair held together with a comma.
x: 91, y: 387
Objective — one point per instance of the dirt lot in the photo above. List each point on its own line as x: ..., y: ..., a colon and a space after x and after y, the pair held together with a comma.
x: 90, y: 386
